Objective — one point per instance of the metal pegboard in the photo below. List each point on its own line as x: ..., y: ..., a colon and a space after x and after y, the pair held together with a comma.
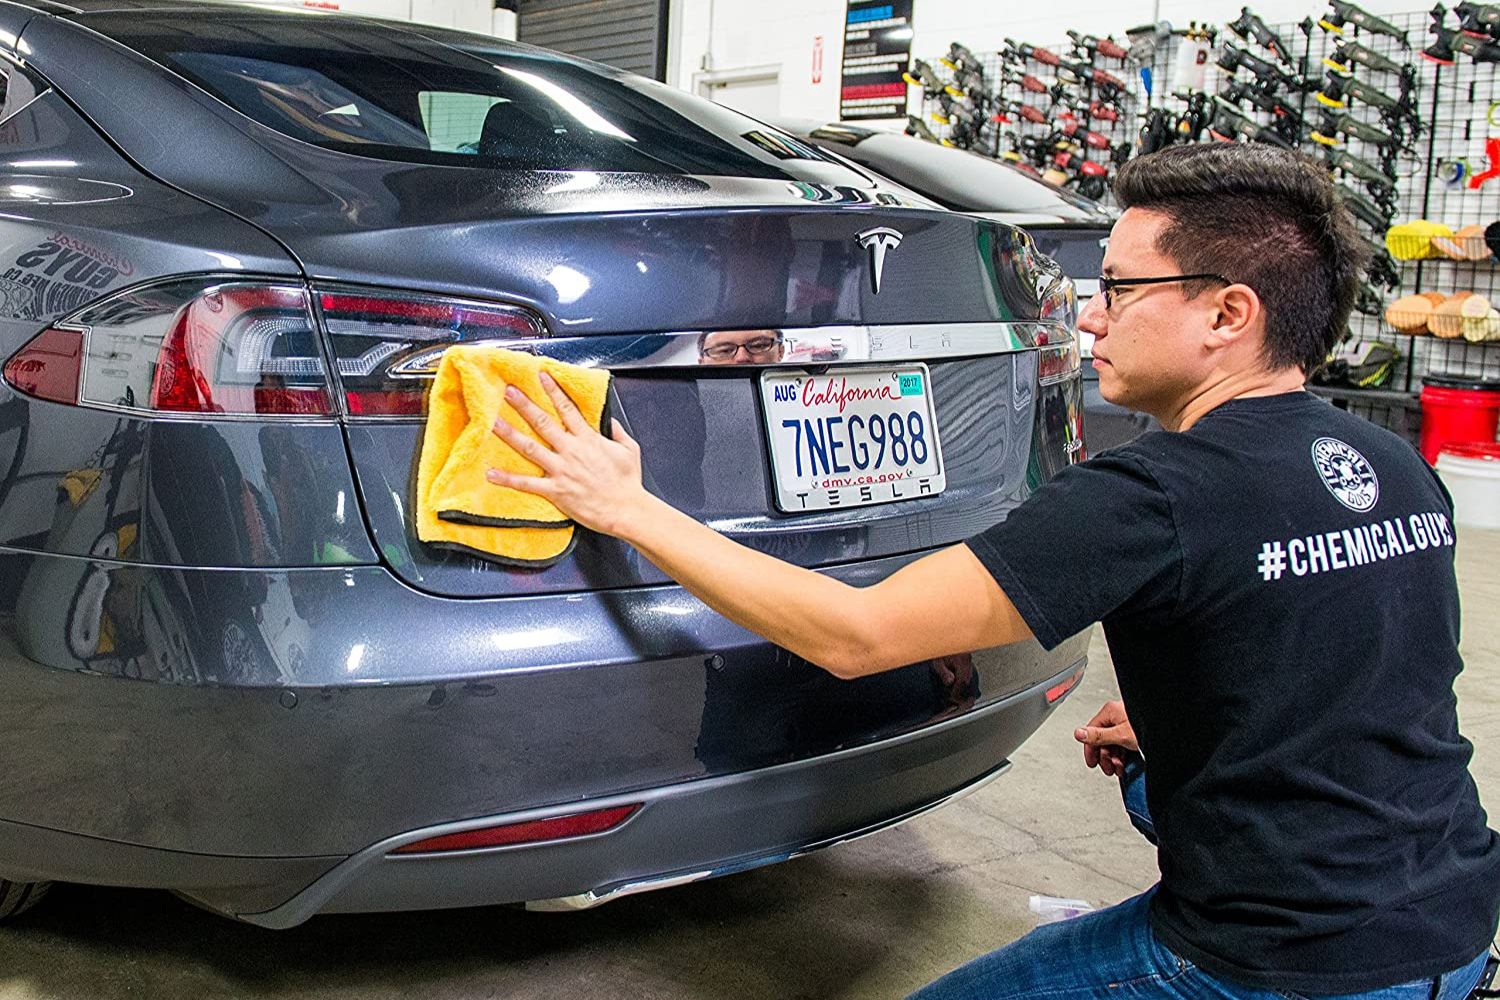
x: 1015, y: 107
x: 1445, y: 115
x: 1462, y: 109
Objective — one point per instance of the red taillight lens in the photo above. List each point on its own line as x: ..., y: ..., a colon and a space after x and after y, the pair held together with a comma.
x: 241, y: 349
x: 193, y: 346
x: 577, y: 825
x: 48, y: 367
x: 387, y: 347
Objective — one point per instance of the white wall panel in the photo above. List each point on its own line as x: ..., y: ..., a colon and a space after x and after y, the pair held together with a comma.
x: 762, y: 33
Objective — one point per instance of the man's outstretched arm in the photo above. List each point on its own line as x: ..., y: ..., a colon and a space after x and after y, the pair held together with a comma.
x: 939, y: 605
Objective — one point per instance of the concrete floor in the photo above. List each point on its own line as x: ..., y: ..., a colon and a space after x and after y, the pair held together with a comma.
x: 873, y: 919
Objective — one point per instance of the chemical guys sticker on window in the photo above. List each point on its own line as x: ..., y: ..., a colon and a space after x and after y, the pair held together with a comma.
x: 852, y: 437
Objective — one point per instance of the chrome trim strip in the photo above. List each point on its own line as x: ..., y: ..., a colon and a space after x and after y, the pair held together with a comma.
x: 598, y: 897
x: 805, y: 346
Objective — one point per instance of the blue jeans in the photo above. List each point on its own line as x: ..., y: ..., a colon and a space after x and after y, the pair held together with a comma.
x: 1113, y: 953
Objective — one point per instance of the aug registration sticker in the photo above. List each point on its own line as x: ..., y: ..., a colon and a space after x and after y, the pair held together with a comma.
x: 852, y: 437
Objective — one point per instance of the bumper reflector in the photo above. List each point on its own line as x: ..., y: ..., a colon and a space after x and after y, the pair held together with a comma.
x: 1056, y: 692
x: 559, y: 828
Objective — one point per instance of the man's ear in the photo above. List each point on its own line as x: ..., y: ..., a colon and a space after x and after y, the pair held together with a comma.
x: 1238, y: 312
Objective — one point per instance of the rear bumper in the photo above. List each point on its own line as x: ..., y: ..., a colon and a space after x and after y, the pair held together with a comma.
x: 243, y: 735
x: 687, y: 832
x: 682, y: 833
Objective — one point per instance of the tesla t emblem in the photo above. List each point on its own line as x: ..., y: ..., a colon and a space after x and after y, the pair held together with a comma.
x: 878, y: 241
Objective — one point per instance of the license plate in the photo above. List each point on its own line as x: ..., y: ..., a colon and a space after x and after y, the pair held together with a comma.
x: 852, y: 437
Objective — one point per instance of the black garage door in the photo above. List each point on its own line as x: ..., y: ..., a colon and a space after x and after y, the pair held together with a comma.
x: 629, y: 34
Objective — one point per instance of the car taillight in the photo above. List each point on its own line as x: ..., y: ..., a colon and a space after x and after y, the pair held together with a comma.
x: 202, y: 347
x: 1058, y: 357
x: 1057, y: 363
x: 387, y: 346
x: 48, y: 366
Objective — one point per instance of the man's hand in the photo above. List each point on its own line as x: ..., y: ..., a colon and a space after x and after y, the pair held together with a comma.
x: 595, y: 481
x: 1107, y: 738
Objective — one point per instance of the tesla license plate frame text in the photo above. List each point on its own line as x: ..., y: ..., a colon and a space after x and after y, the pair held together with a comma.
x: 852, y: 437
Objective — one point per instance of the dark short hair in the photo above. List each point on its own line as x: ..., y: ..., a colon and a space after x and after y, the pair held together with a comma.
x: 1264, y: 217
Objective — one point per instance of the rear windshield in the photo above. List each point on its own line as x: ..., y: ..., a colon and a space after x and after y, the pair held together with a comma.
x: 391, y: 92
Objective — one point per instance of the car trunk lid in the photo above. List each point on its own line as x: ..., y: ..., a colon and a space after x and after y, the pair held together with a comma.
x: 639, y: 292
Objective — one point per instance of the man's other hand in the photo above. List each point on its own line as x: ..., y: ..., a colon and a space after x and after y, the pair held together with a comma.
x: 1108, y: 739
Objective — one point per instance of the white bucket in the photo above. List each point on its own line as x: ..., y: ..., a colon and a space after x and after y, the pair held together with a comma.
x: 1472, y: 475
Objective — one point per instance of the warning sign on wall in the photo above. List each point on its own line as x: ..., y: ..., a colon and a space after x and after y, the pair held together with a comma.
x: 877, y: 50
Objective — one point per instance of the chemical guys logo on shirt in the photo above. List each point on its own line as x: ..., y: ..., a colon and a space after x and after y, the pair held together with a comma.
x: 1346, y: 473
x: 1352, y: 481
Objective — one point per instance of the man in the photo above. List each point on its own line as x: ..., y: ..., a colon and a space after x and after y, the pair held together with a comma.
x: 741, y: 347
x: 1275, y: 579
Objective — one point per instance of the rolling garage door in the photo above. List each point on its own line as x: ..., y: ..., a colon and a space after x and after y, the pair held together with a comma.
x: 628, y: 34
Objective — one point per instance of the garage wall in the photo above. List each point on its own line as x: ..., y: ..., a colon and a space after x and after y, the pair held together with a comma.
x: 748, y: 36
x: 622, y: 33
x: 724, y: 37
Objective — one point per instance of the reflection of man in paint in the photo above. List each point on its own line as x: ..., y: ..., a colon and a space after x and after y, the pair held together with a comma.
x: 741, y: 347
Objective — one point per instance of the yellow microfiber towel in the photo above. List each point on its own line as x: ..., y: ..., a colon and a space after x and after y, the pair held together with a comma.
x: 457, y: 507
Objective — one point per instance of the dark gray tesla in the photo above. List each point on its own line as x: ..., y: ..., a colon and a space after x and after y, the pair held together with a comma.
x: 233, y: 244
x: 1068, y: 228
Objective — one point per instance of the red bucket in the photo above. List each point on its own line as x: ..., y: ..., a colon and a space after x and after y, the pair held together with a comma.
x: 1457, y: 408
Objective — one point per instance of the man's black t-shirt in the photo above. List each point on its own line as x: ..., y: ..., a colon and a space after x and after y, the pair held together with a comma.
x: 1276, y: 585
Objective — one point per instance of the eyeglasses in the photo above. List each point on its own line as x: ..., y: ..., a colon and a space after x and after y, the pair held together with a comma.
x: 755, y: 347
x: 1108, y: 285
